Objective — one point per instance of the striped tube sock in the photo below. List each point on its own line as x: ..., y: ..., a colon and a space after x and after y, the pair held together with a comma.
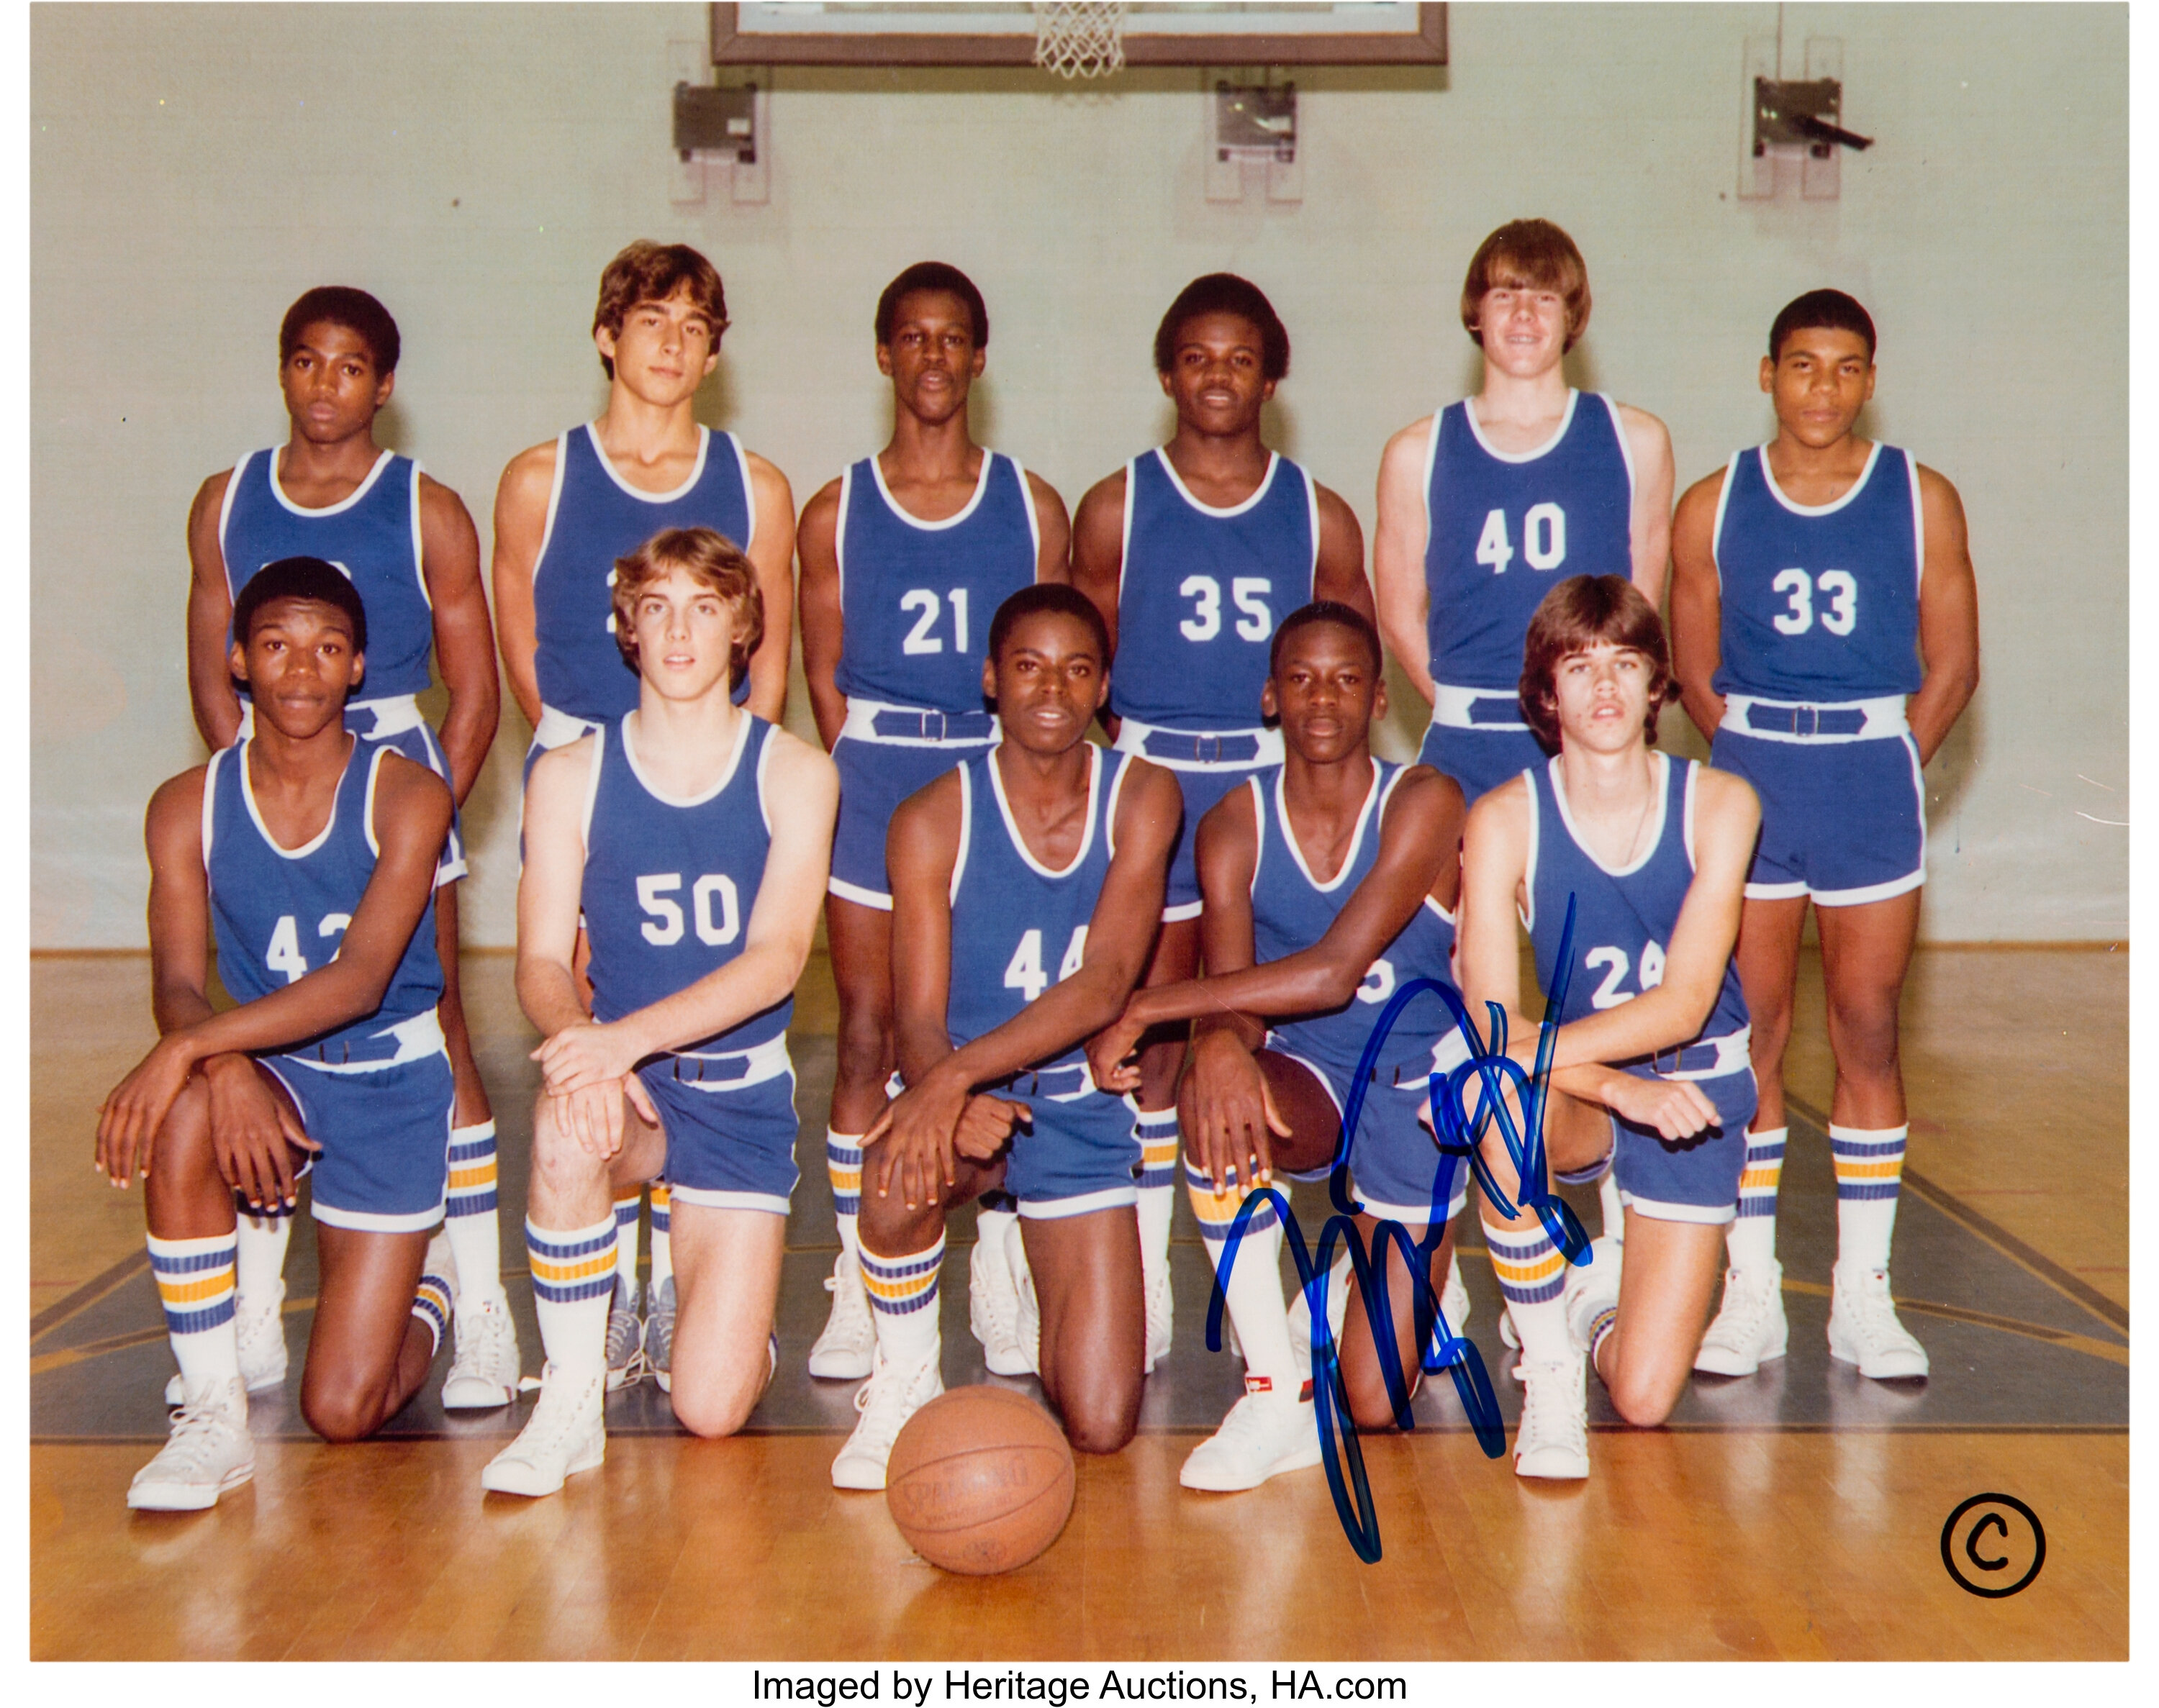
x: 902, y: 1293
x: 468, y: 1212
x: 1253, y: 1290
x: 573, y: 1280
x: 1532, y: 1277
x: 195, y: 1285
x: 1751, y: 1239
x: 663, y: 1247
x: 625, y: 1246
x: 260, y: 1264
x: 843, y: 1167
x: 1869, y: 1168
x: 1600, y: 1331
x: 1156, y: 1132
x: 432, y: 1303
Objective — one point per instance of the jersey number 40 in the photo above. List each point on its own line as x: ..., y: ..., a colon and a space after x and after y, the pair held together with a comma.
x: 1544, y: 539
x: 1024, y: 972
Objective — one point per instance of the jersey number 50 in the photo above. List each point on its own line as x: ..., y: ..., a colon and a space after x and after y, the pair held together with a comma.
x: 665, y: 925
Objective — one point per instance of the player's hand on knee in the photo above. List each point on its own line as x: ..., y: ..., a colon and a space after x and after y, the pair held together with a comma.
x: 1113, y: 1055
x: 593, y: 1117
x: 253, y: 1132
x: 584, y: 1054
x: 916, y: 1130
x: 1234, y: 1112
x: 984, y: 1124
x: 1677, y: 1109
x: 129, y: 1118
x: 640, y: 1099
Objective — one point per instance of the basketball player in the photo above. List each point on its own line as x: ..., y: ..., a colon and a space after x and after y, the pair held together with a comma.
x: 1648, y: 856
x: 1826, y: 633
x: 1192, y: 553
x: 1330, y: 881
x: 312, y: 855
x: 409, y: 548
x: 904, y: 557
x: 565, y: 512
x: 1025, y: 887
x: 1485, y: 504
x: 691, y: 837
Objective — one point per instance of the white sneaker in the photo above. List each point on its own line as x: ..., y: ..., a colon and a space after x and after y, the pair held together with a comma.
x: 847, y: 1349
x: 1552, y: 1440
x: 210, y: 1452
x: 1161, y: 1314
x: 1265, y: 1434
x: 484, y: 1370
x: 1863, y: 1328
x: 625, y: 1337
x: 1454, y: 1298
x: 886, y: 1401
x: 993, y: 1306
x: 1508, y: 1332
x: 659, y: 1335
x: 565, y: 1435
x: 1750, y: 1327
x: 1590, y: 1288
x: 263, y: 1357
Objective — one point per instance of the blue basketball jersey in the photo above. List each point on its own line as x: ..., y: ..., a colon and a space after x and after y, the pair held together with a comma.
x: 1202, y: 592
x: 280, y: 913
x: 916, y: 597
x: 1503, y: 529
x: 1291, y: 910
x: 595, y: 516
x: 373, y: 535
x: 1624, y: 920
x: 1017, y: 927
x: 669, y: 883
x: 1821, y: 602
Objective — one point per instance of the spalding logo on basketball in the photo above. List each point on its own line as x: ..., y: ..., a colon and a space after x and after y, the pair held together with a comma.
x: 980, y: 1480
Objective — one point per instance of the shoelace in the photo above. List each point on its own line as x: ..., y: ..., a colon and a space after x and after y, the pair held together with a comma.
x: 195, y: 1430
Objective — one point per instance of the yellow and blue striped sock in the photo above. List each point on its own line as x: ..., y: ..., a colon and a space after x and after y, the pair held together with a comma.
x: 1252, y: 1292
x: 195, y: 1285
x: 1870, y: 1171
x: 843, y: 1167
x: 902, y: 1293
x: 663, y: 1247
x: 1532, y: 1276
x: 625, y: 1247
x: 1751, y: 1238
x: 432, y: 1303
x: 572, y: 1283
x: 469, y: 1211
x: 1156, y: 1130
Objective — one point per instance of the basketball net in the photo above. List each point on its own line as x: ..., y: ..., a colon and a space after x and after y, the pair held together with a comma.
x: 1079, y: 38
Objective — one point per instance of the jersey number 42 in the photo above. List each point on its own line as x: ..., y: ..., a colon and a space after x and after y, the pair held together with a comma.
x: 283, y: 954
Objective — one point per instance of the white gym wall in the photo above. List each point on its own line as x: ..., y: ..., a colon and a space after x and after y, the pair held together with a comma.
x: 196, y: 167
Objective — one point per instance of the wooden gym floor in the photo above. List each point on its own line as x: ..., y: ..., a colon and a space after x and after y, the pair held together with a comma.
x: 1794, y: 1515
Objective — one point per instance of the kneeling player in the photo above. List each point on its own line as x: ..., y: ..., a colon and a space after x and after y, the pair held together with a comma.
x: 1651, y: 1063
x: 1337, y: 873
x: 690, y: 838
x: 312, y: 855
x: 1026, y: 887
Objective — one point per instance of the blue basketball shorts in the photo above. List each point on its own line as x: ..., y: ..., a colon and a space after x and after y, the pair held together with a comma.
x: 1202, y: 788
x: 1479, y: 760
x: 731, y: 1142
x: 1394, y: 1159
x: 874, y: 777
x: 1076, y: 1152
x: 385, y: 1166
x: 1690, y: 1180
x: 1842, y: 821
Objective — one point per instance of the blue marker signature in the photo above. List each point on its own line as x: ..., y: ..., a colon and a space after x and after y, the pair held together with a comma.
x: 1459, y: 1136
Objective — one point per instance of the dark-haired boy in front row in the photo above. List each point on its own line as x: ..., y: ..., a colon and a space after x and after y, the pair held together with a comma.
x: 1026, y: 887
x: 690, y: 838
x: 1330, y: 882
x: 1826, y: 633
x: 310, y: 855
x: 408, y: 546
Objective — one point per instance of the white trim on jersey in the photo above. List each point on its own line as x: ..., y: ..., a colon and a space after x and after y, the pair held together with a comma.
x: 225, y: 515
x: 973, y: 503
x: 321, y: 837
x: 1663, y: 806
x: 1259, y: 492
x: 1312, y: 515
x: 1027, y: 504
x: 209, y: 805
x: 749, y: 490
x: 1687, y: 792
x: 966, y: 831
x: 1626, y: 450
x: 1919, y: 525
x: 1372, y: 798
x: 1836, y: 504
x: 727, y: 771
x: 554, y: 500
x: 1717, y: 528
x: 840, y: 532
x: 1491, y: 450
x: 1109, y: 805
x: 367, y: 812
x: 346, y: 503
x: 1529, y: 912
x: 1259, y: 832
x: 764, y: 801
x: 1086, y: 836
x: 597, y: 737
x: 1424, y: 492
x: 419, y: 541
x: 696, y: 472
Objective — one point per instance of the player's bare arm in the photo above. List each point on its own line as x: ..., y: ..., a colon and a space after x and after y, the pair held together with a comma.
x: 1948, y: 617
x: 1649, y: 527
x: 1054, y: 562
x: 771, y: 555
x: 464, y: 639
x: 1697, y: 603
x: 1098, y: 548
x: 520, y: 528
x: 1340, y: 572
x: 824, y: 628
x: 1401, y: 596
x: 216, y: 706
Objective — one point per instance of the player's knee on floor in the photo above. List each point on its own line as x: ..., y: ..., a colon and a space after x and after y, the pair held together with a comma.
x: 711, y: 1401
x: 1644, y: 1396
x: 344, y: 1404
x: 1101, y: 1421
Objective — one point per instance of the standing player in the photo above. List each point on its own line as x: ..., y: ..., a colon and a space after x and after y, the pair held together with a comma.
x: 409, y: 546
x: 1818, y: 581
x: 1026, y: 887
x: 690, y: 838
x: 904, y: 558
x: 1330, y: 881
x: 312, y: 855
x: 1192, y: 553
x: 1648, y: 855
x: 567, y: 510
